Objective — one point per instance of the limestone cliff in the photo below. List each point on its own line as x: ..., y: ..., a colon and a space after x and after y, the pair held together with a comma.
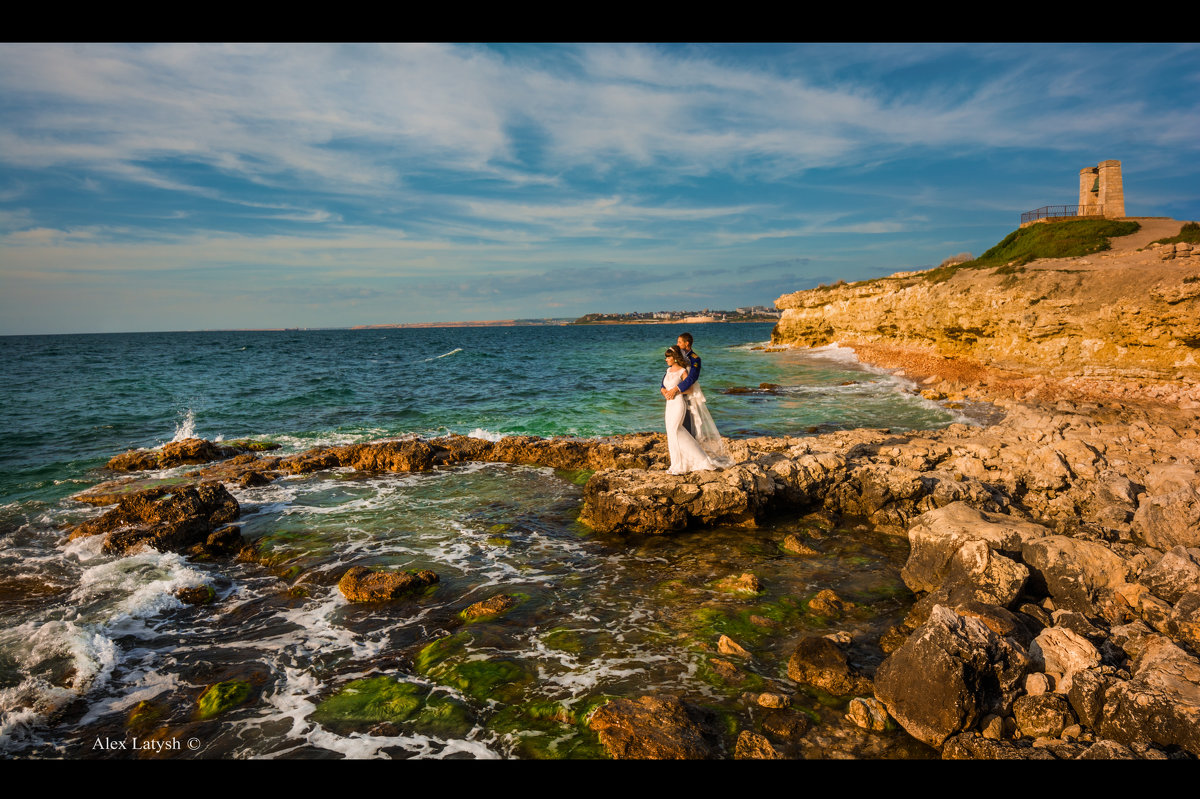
x: 1124, y: 314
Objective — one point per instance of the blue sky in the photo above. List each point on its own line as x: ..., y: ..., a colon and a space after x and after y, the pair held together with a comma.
x: 188, y: 186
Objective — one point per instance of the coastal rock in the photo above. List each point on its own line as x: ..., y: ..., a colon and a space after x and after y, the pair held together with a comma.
x: 490, y: 607
x: 1176, y: 573
x: 936, y: 536
x: 653, y: 728
x: 1107, y: 750
x: 821, y: 663
x: 360, y: 584
x: 829, y: 604
x: 1086, y: 695
x: 947, y: 675
x: 1058, y: 650
x: 1042, y: 716
x: 1074, y: 572
x: 868, y: 713
x: 752, y: 746
x: 1168, y: 521
x: 972, y: 746
x: 1184, y: 622
x: 1160, y: 704
x: 167, y: 522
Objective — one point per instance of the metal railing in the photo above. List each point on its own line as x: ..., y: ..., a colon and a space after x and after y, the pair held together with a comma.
x: 1056, y: 211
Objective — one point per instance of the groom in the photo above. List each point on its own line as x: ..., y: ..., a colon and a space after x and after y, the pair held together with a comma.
x: 685, y: 344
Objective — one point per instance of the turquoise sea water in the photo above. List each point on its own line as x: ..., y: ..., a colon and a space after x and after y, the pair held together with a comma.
x: 86, y: 637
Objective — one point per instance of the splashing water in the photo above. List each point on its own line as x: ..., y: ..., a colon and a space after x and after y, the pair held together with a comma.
x: 186, y: 428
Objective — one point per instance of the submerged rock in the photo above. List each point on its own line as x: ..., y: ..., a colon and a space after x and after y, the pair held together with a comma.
x: 360, y: 584
x: 490, y: 607
x: 654, y: 728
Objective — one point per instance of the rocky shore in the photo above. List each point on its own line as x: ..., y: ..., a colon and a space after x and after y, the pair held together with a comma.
x: 1054, y: 551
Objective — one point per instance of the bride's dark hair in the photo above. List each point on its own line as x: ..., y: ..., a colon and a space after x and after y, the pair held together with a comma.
x: 676, y: 355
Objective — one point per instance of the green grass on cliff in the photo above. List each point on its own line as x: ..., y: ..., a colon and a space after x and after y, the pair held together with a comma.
x: 1045, y: 240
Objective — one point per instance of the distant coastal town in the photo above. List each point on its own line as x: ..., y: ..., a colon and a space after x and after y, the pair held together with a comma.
x: 752, y: 313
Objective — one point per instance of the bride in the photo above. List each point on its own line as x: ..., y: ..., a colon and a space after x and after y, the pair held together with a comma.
x: 690, y: 453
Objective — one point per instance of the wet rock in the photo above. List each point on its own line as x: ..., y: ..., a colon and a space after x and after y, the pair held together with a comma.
x: 223, y: 542
x: 752, y: 746
x: 167, y: 522
x: 829, y: 604
x: 728, y: 646
x: 947, y: 675
x: 195, y: 595
x: 490, y: 607
x: 360, y: 584
x: 785, y: 725
x: 770, y: 700
x: 794, y: 544
x: 654, y: 728
x: 1043, y: 715
x: 822, y: 663
x: 746, y: 583
x: 1160, y: 704
x: 254, y: 479
x: 868, y: 713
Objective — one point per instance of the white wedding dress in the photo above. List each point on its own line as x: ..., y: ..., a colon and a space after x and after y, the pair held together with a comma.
x: 690, y: 453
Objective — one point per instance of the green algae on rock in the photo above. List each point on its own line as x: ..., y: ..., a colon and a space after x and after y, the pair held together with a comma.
x: 221, y: 697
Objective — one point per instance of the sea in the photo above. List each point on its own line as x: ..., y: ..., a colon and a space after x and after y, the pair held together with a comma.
x: 99, y: 659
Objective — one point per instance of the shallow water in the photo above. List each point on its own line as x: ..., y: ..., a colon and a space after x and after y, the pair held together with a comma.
x: 96, y: 649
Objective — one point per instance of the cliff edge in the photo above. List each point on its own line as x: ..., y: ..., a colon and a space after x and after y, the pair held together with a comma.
x: 1122, y: 323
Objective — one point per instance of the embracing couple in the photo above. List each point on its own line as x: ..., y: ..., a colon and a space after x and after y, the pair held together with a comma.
x: 692, y: 437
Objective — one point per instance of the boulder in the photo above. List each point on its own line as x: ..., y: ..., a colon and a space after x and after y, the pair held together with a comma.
x: 1175, y: 573
x: 1169, y: 520
x: 868, y: 713
x: 360, y: 584
x: 1063, y: 652
x: 1043, y: 715
x: 973, y: 746
x: 1160, y: 704
x: 752, y: 746
x: 1076, y: 573
x: 1184, y: 622
x: 654, y: 728
x: 937, y: 535
x: 170, y: 522
x: 821, y: 663
x: 948, y: 675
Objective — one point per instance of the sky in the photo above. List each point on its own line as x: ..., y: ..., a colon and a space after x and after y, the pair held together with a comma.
x: 153, y: 187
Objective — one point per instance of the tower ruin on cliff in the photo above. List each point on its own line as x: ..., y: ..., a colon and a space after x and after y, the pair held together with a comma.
x: 1101, y: 192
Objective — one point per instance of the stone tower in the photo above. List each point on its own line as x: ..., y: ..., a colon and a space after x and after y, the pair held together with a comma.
x: 1101, y: 192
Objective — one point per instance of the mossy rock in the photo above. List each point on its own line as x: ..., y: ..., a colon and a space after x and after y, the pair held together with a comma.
x: 447, y: 661
x: 710, y: 672
x: 145, y: 715
x: 564, y: 639
x: 546, y: 730
x: 577, y: 476
x: 499, y: 541
x: 445, y: 717
x: 371, y: 700
x: 221, y: 697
